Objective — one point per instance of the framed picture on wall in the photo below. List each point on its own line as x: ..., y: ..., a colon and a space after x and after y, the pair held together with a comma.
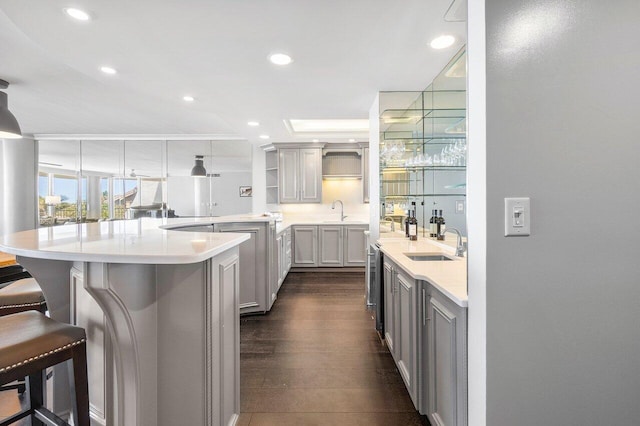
x: 245, y: 191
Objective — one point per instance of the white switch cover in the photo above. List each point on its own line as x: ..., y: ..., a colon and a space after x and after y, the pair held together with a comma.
x: 517, y: 217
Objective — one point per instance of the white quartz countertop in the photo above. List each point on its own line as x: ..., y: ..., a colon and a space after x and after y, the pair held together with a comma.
x: 142, y: 241
x: 310, y: 220
x: 449, y: 277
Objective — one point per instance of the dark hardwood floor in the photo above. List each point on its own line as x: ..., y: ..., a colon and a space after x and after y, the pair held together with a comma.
x: 316, y: 359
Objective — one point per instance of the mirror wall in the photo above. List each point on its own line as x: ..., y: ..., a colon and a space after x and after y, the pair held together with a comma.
x: 423, y: 151
x: 93, y: 180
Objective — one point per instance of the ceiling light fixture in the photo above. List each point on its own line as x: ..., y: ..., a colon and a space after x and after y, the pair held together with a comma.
x: 253, y: 124
x: 198, y: 170
x: 352, y: 140
x: 316, y: 140
x: 108, y: 70
x: 188, y: 98
x: 9, y: 127
x: 443, y: 41
x: 264, y: 136
x: 78, y: 14
x: 280, y: 59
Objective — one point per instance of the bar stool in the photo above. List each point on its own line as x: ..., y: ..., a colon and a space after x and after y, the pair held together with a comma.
x: 22, y: 295
x: 29, y: 343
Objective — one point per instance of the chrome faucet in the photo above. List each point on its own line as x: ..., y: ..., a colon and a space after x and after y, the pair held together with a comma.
x: 460, y: 246
x: 393, y: 222
x: 333, y: 207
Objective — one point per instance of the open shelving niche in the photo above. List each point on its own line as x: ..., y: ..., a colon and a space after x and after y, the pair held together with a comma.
x: 271, y: 166
x: 423, y: 123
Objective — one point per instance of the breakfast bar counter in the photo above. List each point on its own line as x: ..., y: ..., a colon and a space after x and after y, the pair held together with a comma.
x: 160, y: 309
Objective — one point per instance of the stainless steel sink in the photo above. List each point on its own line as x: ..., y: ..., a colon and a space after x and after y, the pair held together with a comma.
x: 426, y: 257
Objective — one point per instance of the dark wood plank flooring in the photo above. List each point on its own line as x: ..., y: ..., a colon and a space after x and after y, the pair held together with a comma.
x: 316, y: 359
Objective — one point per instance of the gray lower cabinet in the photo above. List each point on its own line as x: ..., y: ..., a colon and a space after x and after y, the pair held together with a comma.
x: 256, y: 265
x: 283, y: 250
x: 305, y: 246
x: 331, y: 246
x: 426, y: 334
x: 446, y: 360
x: 401, y: 324
x: 355, y: 245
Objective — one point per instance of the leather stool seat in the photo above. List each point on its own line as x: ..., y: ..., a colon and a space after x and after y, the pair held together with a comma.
x: 29, y: 343
x: 21, y: 295
x: 28, y: 336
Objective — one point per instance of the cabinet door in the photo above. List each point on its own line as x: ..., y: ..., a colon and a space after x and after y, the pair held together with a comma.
x: 310, y: 175
x: 305, y: 246
x: 355, y: 246
x: 330, y: 245
x: 406, y: 340
x: 447, y: 366
x: 288, y: 171
x: 389, y: 323
x: 288, y: 251
x: 280, y: 263
x: 228, y: 282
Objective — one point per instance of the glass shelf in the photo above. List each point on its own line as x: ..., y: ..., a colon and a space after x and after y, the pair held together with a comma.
x: 419, y: 168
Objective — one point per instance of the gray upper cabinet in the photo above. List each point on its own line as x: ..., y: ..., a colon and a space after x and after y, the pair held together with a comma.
x: 305, y: 246
x: 330, y: 246
x: 300, y: 175
x: 355, y: 247
x: 446, y: 360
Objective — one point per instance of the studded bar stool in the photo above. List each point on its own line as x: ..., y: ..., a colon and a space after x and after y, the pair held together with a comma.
x: 22, y: 295
x: 29, y: 343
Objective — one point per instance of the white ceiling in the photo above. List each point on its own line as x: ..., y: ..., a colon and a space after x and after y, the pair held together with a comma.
x: 344, y: 51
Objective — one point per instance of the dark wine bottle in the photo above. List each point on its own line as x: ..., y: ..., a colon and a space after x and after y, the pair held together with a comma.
x: 441, y: 226
x: 432, y: 224
x: 413, y: 224
x: 406, y: 223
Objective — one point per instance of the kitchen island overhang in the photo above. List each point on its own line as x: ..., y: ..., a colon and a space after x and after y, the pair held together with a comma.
x: 161, y: 312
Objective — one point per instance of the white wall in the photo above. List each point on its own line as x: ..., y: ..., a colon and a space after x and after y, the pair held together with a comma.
x: 562, y: 104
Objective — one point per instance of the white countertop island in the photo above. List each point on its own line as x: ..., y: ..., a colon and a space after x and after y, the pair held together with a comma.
x: 161, y: 312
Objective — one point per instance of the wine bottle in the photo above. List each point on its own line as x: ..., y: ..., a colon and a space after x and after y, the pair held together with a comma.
x: 441, y: 226
x: 432, y: 224
x: 413, y: 225
x: 406, y: 223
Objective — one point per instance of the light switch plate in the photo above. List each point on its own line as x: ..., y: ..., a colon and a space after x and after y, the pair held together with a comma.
x: 517, y: 217
x: 459, y: 207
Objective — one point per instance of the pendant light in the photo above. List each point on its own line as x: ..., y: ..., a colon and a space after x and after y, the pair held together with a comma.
x: 199, y: 170
x: 9, y: 128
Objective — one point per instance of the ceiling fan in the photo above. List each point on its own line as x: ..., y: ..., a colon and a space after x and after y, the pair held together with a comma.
x: 133, y: 174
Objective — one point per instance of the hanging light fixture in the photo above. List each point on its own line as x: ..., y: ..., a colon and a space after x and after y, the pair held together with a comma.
x: 9, y: 128
x: 199, y: 170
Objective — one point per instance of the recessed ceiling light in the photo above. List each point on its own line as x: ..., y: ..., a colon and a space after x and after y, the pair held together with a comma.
x: 352, y: 140
x: 264, y: 136
x: 78, y: 14
x: 280, y: 59
x: 108, y: 70
x: 443, y: 41
x: 188, y: 98
x: 316, y: 140
x: 253, y: 124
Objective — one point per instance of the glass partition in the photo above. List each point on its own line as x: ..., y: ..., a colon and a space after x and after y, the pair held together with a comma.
x: 93, y: 180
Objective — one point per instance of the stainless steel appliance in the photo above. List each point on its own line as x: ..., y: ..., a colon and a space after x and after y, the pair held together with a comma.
x: 377, y: 289
x: 370, y: 276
